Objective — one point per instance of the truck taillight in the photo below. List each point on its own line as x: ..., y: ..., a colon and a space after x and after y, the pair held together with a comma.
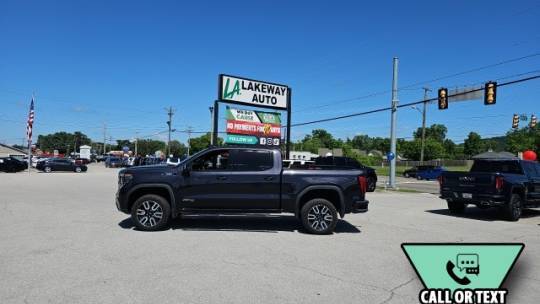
x: 499, y: 182
x: 362, y: 183
x: 441, y: 180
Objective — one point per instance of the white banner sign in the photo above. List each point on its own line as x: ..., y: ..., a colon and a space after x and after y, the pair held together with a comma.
x: 252, y: 92
x: 242, y: 115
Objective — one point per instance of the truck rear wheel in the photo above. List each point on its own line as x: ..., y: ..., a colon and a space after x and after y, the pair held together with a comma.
x: 512, y: 210
x: 151, y: 212
x: 319, y: 216
x: 456, y: 206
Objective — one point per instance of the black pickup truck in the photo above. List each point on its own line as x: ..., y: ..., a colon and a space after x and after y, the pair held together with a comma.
x: 239, y: 180
x: 510, y: 184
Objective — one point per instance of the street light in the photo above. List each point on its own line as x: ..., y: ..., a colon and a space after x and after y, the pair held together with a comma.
x: 211, y: 125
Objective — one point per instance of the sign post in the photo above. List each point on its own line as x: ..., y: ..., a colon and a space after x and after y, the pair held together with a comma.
x: 249, y: 92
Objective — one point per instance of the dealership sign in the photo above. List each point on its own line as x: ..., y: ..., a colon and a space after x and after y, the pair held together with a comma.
x: 253, y: 92
x: 252, y: 128
x: 247, y: 127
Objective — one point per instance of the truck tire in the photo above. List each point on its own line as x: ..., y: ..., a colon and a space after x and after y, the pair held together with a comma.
x: 319, y: 216
x: 151, y: 212
x: 512, y: 210
x: 456, y: 206
x: 371, y: 184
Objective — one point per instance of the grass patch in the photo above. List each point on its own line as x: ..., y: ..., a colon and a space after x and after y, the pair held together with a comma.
x: 385, y: 171
x: 380, y: 189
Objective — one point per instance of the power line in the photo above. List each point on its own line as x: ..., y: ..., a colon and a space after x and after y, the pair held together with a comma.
x: 421, y: 82
x: 408, y: 104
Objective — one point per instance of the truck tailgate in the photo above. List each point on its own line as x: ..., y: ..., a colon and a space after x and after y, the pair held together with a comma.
x: 468, y: 182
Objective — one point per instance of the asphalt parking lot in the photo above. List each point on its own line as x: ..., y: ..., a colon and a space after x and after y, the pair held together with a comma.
x: 63, y: 241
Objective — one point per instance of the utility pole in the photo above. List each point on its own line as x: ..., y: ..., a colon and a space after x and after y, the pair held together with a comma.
x: 170, y: 112
x: 393, y: 124
x: 104, y: 139
x: 426, y: 90
x: 189, y: 130
x: 211, y: 126
x: 136, y: 143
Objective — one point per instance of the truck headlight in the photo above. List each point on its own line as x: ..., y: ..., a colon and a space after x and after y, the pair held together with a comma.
x: 124, y: 178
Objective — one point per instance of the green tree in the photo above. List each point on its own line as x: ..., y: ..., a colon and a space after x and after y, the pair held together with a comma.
x: 449, y: 149
x: 150, y: 146
x: 523, y: 139
x: 435, y: 131
x: 121, y: 143
x: 473, y: 145
x: 178, y: 148
x: 361, y: 142
x: 62, y: 141
x: 19, y: 147
x: 202, y: 142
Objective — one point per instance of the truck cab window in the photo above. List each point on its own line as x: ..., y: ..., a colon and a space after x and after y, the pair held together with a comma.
x: 212, y: 161
x: 253, y: 160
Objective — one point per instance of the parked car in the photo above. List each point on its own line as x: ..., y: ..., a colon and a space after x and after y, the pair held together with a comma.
x: 100, y: 158
x: 432, y: 173
x: 11, y: 164
x: 83, y: 161
x: 113, y: 162
x: 412, y: 172
x: 509, y: 184
x: 239, y: 180
x: 37, y: 159
x: 60, y: 164
x: 346, y: 163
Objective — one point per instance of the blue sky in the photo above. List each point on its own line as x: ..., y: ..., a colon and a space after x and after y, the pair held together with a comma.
x: 122, y: 62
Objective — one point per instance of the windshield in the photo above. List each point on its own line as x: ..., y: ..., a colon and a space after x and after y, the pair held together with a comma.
x: 193, y: 156
x: 508, y: 166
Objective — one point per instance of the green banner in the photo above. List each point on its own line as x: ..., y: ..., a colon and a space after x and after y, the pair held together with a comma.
x: 241, y: 139
x: 271, y: 118
x: 462, y: 266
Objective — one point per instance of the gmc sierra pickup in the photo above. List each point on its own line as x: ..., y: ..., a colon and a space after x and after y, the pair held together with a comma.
x: 239, y: 180
x: 510, y: 184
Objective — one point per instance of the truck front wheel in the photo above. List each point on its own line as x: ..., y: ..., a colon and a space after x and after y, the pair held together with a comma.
x: 319, y: 216
x: 456, y: 207
x: 151, y: 212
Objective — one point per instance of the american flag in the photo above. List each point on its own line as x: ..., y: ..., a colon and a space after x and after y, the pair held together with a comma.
x: 30, y: 122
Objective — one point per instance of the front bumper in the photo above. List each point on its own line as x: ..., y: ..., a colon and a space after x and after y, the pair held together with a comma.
x: 360, y: 206
x: 121, y: 201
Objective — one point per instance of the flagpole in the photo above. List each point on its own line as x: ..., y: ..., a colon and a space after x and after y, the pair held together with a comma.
x: 30, y: 140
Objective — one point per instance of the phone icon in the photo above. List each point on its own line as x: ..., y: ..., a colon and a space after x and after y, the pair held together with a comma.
x: 450, y: 269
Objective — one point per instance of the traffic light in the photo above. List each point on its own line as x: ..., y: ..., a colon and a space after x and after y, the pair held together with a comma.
x: 532, y: 124
x: 515, y: 121
x: 490, y: 93
x: 443, y: 98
